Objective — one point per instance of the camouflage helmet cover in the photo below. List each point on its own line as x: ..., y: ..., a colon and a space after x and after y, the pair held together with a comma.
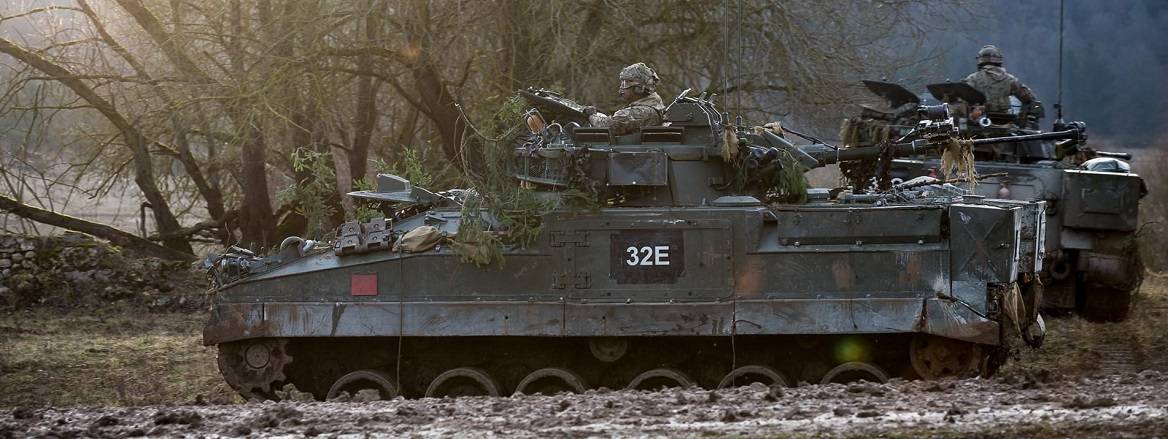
x: 989, y: 54
x: 638, y: 74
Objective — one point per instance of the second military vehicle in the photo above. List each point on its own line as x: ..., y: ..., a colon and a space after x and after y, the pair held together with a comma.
x: 1091, y: 262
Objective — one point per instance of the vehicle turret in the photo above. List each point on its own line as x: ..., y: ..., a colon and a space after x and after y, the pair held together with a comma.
x: 699, y: 155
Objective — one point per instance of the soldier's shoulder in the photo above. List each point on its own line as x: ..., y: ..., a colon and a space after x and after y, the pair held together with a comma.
x: 638, y: 111
x: 1004, y: 75
x: 652, y: 100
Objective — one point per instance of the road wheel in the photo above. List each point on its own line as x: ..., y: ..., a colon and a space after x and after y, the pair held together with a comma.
x: 356, y: 381
x: 657, y: 379
x: 463, y: 381
x: 855, y: 371
x: 746, y: 375
x: 550, y: 381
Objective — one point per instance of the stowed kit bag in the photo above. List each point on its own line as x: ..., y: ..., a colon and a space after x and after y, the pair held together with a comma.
x: 419, y: 239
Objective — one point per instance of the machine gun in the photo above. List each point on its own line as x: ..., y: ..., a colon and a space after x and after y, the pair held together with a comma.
x: 935, y: 130
x: 556, y: 106
x: 768, y: 156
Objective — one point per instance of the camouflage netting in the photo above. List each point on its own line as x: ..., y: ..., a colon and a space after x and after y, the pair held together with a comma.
x: 730, y: 145
x: 789, y: 185
x: 862, y: 174
x: 786, y: 184
x: 77, y: 270
x: 957, y: 161
x: 474, y: 243
x: 1013, y: 309
x: 859, y: 132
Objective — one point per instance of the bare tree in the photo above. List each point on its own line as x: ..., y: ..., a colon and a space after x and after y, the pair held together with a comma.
x: 135, y: 140
x: 211, y: 99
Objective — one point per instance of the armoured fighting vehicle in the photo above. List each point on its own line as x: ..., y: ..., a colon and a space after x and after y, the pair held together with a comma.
x: 683, y: 270
x: 1091, y: 262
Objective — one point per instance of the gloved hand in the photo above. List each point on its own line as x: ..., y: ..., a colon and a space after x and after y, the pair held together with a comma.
x: 588, y: 111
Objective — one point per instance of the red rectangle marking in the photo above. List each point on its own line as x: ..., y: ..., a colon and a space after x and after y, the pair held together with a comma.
x: 363, y: 284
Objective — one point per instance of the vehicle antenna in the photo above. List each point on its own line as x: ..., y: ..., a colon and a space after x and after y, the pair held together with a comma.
x: 724, y: 31
x: 1058, y: 106
x: 741, y: 49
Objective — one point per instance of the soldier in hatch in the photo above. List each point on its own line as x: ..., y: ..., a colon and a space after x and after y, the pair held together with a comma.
x: 992, y: 80
x: 637, y: 87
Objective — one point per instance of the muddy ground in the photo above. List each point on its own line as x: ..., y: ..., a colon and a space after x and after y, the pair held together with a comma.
x: 1128, y: 405
x: 120, y: 372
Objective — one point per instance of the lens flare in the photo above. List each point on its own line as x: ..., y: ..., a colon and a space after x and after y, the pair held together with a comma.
x: 851, y: 349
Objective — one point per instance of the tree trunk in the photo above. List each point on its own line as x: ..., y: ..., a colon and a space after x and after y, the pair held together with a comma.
x: 432, y: 91
x: 115, y: 236
x: 257, y: 221
x: 444, y: 112
x: 365, y: 119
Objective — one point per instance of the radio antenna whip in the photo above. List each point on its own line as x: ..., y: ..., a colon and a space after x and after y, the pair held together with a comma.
x: 1058, y: 107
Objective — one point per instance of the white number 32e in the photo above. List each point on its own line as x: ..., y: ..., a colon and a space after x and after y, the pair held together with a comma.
x: 648, y: 255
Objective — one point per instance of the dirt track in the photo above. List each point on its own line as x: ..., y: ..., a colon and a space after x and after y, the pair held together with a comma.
x: 1133, y: 405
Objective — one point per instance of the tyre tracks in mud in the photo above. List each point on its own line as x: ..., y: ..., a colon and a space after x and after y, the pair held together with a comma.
x: 1134, y: 345
x: 1118, y: 358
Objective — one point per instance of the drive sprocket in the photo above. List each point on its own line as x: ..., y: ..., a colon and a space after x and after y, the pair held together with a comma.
x: 254, y: 368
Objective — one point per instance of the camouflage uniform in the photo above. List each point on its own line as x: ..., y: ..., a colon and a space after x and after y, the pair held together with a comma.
x: 639, y: 113
x: 636, y: 80
x: 992, y: 80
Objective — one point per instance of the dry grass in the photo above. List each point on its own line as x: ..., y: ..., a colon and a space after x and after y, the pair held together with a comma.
x: 108, y: 357
x: 1076, y: 347
x: 1149, y: 163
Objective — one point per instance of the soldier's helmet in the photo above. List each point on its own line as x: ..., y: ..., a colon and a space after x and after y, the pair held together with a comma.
x: 989, y: 54
x: 638, y: 75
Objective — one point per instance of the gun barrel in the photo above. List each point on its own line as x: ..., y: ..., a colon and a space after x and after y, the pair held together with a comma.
x: 825, y: 158
x: 1115, y: 155
x: 1072, y: 134
x: 868, y: 152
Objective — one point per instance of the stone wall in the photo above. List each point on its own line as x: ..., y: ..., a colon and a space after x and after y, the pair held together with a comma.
x: 76, y: 270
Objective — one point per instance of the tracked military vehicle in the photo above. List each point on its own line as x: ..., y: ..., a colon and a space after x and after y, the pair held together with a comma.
x: 684, y: 271
x: 1091, y: 262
